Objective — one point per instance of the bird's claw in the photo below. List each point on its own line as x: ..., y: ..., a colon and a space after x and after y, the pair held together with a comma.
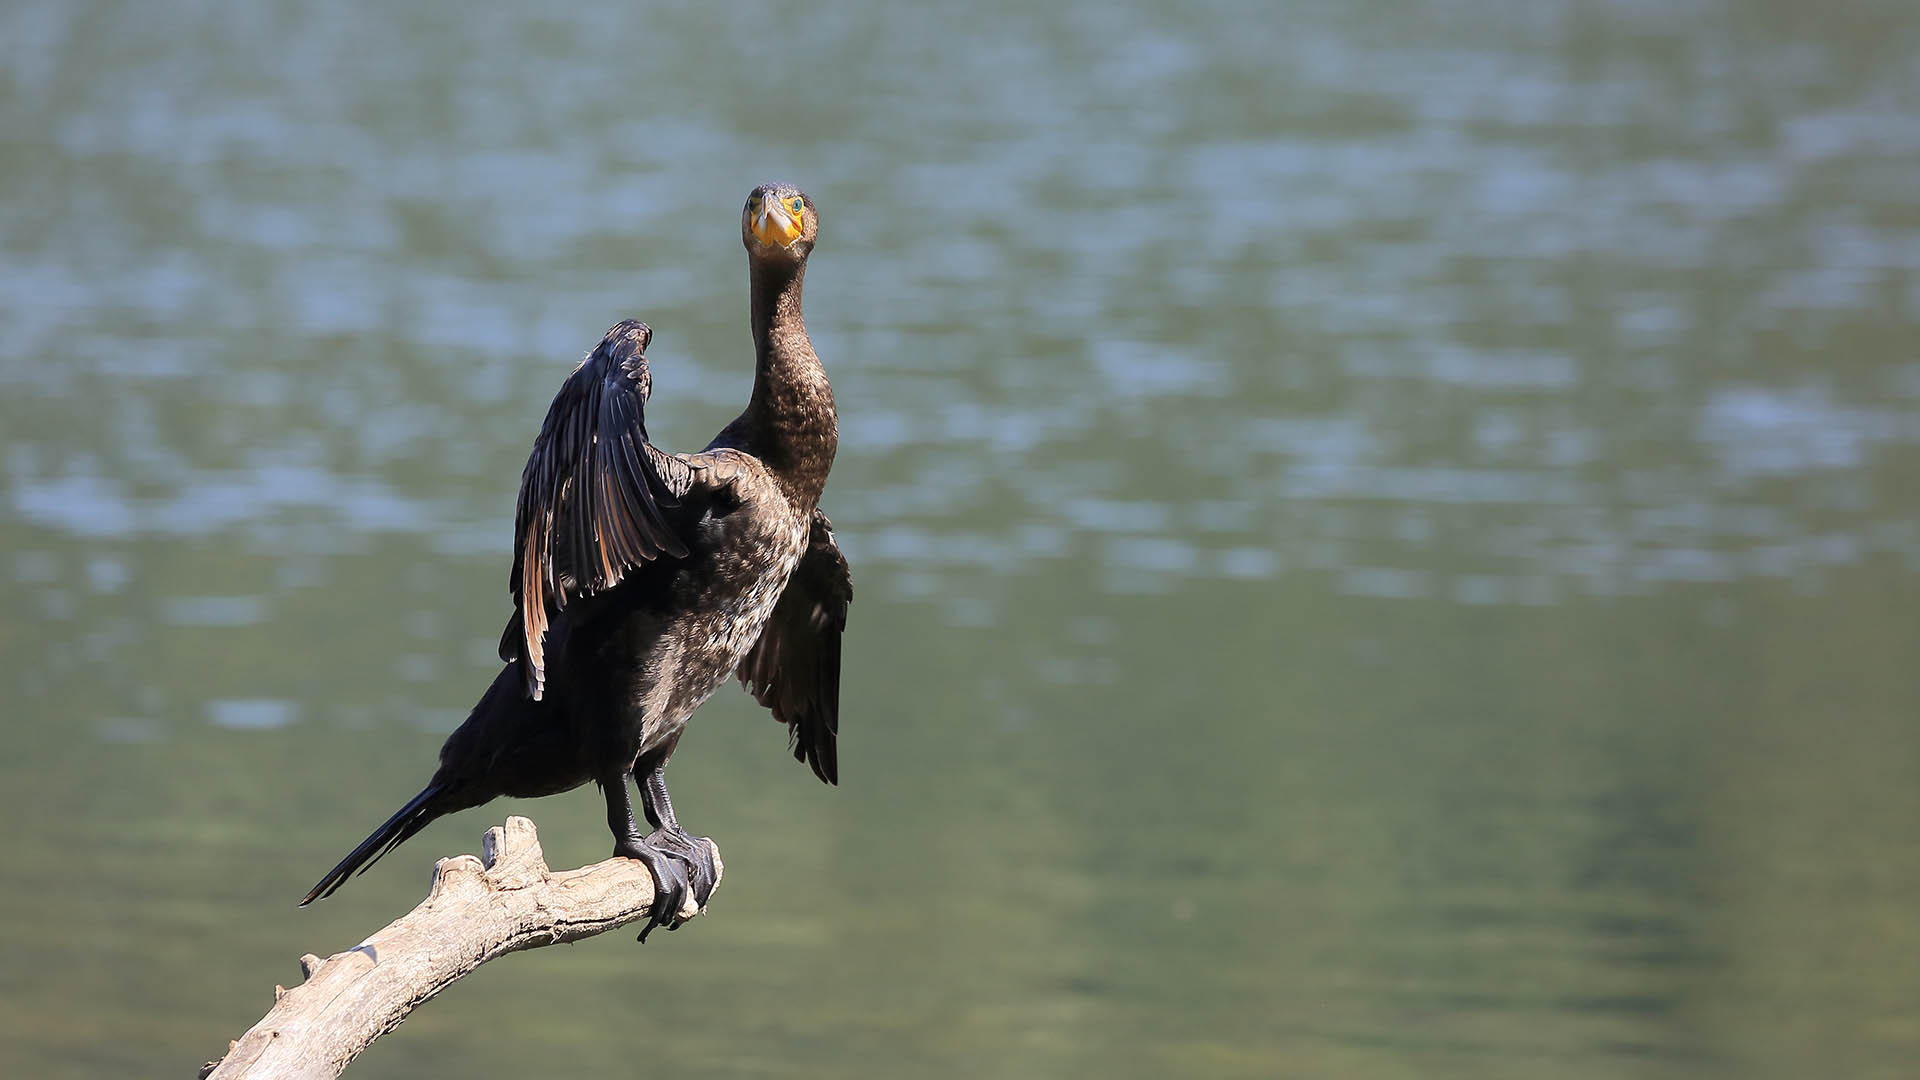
x: 672, y: 883
x: 696, y: 852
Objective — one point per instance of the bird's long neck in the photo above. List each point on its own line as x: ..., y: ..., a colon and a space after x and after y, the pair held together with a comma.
x: 790, y: 423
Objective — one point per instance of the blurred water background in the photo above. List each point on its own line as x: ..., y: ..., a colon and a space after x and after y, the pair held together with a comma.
x: 1386, y: 536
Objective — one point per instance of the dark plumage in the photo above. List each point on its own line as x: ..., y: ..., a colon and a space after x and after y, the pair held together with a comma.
x: 642, y: 579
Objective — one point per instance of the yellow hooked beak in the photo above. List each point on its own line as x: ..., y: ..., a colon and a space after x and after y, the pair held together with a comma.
x: 776, y: 221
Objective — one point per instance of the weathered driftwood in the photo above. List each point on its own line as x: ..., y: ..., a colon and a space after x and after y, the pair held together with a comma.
x: 478, y: 909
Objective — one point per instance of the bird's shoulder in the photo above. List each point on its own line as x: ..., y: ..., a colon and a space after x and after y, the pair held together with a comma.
x: 742, y: 475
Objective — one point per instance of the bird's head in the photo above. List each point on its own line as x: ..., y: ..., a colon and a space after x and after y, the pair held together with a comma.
x: 778, y: 224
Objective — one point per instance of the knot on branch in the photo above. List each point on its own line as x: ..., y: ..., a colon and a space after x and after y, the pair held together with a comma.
x: 510, y: 858
x: 512, y: 855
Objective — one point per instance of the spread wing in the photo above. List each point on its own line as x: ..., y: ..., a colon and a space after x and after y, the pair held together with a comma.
x: 794, y: 669
x: 591, y: 497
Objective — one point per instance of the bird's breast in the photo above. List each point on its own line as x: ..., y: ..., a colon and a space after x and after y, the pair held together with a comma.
x: 756, y: 580
x: 746, y: 569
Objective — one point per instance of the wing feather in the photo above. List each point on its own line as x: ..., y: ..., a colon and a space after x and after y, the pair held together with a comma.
x: 794, y: 669
x: 591, y: 497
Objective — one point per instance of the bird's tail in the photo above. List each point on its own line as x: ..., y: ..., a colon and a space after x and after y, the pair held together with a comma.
x: 410, y: 819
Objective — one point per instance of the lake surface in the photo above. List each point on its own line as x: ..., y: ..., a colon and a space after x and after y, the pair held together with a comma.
x: 1386, y: 537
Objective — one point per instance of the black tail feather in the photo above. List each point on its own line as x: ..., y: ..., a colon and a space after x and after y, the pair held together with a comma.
x: 410, y: 819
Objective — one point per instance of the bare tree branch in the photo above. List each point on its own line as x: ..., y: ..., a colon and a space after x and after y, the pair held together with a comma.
x: 478, y: 909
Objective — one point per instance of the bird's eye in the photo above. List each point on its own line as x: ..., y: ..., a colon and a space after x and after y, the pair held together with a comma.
x: 796, y: 204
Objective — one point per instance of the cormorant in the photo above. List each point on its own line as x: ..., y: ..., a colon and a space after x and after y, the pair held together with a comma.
x: 642, y: 579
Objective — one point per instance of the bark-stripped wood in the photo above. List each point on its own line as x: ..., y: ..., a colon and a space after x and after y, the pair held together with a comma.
x: 479, y: 908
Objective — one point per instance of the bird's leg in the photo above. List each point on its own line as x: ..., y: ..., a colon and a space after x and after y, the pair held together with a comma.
x: 668, y: 835
x: 658, y: 808
x: 670, y: 884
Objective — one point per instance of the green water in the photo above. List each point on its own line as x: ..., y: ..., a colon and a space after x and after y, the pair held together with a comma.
x: 1386, y: 537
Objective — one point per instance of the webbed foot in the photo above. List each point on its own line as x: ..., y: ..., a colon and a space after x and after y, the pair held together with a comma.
x: 671, y: 881
x: 696, y: 852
